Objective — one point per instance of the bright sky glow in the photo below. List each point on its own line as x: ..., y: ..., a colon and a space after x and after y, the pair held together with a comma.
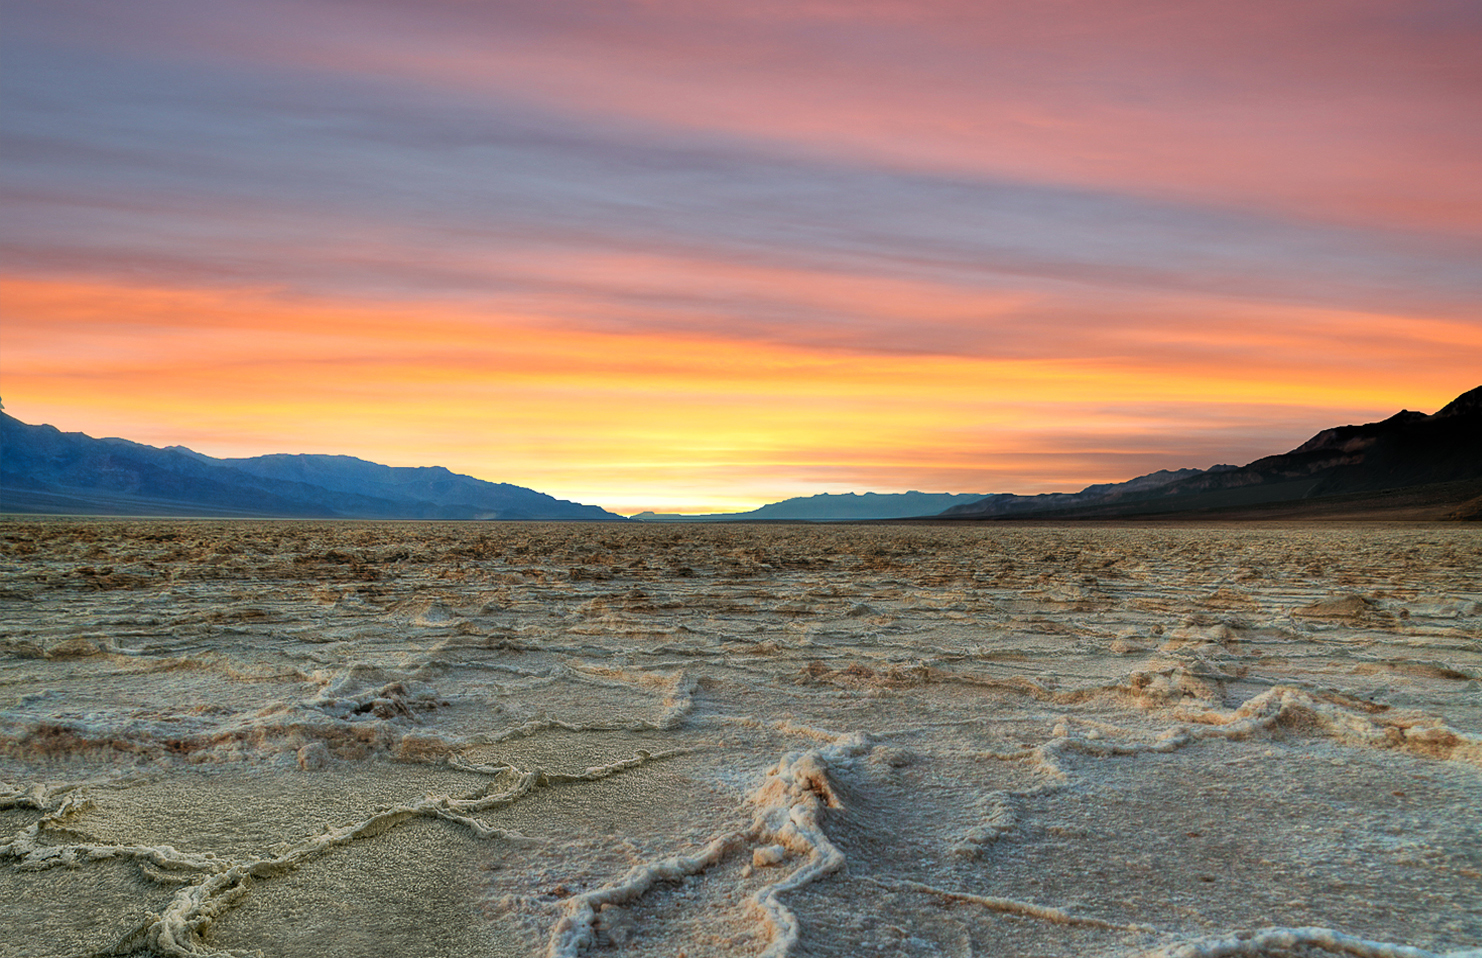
x: 692, y: 256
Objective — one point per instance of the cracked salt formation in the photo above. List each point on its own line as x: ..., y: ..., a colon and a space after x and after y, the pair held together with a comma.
x: 305, y: 739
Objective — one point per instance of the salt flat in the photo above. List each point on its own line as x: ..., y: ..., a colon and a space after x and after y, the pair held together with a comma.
x: 418, y: 739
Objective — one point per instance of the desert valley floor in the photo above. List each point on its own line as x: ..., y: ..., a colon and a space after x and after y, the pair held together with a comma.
x: 460, y: 740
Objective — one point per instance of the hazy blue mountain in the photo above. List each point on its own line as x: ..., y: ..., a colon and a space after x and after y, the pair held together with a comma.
x: 44, y: 470
x: 832, y: 507
x: 347, y: 475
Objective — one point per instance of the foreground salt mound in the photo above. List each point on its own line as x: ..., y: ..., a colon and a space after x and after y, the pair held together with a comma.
x: 789, y: 806
x: 298, y: 739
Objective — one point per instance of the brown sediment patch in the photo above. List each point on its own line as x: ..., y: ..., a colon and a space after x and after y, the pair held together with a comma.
x: 1337, y: 607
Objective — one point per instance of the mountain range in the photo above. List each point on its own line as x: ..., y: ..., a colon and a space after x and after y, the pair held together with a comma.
x: 45, y: 470
x: 1409, y: 466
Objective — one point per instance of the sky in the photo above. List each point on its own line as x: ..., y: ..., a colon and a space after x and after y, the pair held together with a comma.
x: 699, y: 256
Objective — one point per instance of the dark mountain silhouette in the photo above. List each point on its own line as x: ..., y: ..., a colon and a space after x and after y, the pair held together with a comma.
x: 1009, y: 504
x: 1408, y: 466
x: 44, y: 470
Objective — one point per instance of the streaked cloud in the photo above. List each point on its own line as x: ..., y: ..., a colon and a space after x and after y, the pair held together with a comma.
x: 690, y: 255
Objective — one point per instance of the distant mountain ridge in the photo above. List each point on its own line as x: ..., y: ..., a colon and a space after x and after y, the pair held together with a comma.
x: 44, y: 470
x: 875, y: 506
x: 831, y: 507
x: 1410, y: 465
x: 1008, y: 504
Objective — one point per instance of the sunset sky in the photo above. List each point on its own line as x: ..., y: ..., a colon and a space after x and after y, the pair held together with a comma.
x: 699, y: 256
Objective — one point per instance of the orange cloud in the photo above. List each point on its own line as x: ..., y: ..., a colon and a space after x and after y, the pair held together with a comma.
x: 701, y: 422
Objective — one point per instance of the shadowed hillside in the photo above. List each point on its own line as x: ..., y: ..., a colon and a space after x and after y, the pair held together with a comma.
x: 46, y: 471
x: 1409, y: 466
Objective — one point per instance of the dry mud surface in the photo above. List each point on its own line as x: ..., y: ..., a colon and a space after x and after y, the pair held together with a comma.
x: 392, y: 739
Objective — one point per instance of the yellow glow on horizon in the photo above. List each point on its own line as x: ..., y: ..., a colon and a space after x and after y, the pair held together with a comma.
x: 649, y: 419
